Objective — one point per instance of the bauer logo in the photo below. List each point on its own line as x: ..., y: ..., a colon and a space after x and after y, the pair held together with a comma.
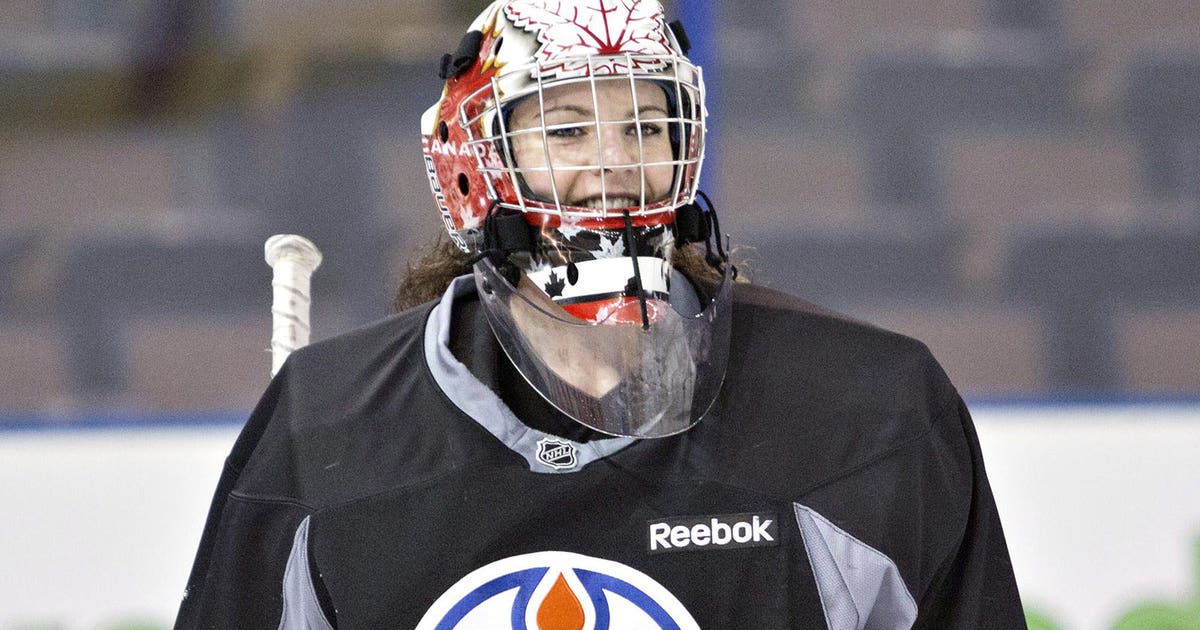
x: 555, y: 590
x: 726, y: 531
x: 556, y: 454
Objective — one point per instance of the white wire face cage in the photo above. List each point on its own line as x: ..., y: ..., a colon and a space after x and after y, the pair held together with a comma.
x: 683, y: 121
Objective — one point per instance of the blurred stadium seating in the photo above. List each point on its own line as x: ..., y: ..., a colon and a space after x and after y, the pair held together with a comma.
x: 1086, y: 281
x: 112, y: 284
x: 1162, y: 107
x: 1016, y: 182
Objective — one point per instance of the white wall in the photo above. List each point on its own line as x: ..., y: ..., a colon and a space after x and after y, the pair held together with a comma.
x: 100, y: 526
x: 1101, y: 506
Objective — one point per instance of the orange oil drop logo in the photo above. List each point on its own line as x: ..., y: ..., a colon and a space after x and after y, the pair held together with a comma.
x: 560, y: 610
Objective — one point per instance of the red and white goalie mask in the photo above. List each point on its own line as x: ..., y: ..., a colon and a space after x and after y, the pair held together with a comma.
x: 585, y: 119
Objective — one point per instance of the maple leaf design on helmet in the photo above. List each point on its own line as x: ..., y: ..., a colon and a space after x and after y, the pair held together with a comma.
x: 614, y: 248
x: 554, y: 287
x: 571, y: 32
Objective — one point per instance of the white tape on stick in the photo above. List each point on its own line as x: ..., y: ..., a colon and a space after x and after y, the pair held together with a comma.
x: 293, y: 259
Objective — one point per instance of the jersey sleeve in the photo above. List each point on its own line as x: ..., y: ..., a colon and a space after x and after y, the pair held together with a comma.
x: 236, y: 579
x: 974, y: 586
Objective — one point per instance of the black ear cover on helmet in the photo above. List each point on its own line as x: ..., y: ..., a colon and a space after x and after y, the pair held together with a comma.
x: 691, y: 225
x: 453, y: 64
x: 680, y: 36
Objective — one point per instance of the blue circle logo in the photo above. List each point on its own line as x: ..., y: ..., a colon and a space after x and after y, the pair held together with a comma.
x: 554, y: 590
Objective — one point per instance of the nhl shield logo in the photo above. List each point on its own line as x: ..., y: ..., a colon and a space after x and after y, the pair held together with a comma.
x: 557, y: 454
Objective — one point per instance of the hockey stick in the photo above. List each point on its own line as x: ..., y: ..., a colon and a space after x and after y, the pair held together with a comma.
x: 293, y: 259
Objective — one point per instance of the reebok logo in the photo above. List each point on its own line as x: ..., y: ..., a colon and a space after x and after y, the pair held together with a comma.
x: 727, y: 531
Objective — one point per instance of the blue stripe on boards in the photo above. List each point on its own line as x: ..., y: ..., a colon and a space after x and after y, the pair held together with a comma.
x: 1098, y: 399
x: 123, y: 420
x: 133, y: 420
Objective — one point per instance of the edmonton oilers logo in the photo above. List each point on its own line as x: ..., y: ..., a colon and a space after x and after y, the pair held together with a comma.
x: 555, y: 590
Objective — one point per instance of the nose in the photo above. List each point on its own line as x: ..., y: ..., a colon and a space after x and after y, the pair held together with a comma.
x: 619, y: 150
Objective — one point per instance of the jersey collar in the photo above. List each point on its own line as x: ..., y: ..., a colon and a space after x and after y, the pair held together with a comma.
x: 544, y: 452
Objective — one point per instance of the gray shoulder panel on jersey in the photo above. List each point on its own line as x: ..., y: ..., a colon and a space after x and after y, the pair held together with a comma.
x: 483, y: 405
x: 301, y: 609
x: 860, y: 587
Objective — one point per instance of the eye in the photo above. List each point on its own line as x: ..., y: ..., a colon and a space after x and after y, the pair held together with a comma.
x: 648, y: 129
x: 565, y: 132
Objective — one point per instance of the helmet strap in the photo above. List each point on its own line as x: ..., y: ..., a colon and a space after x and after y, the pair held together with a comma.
x: 635, y: 281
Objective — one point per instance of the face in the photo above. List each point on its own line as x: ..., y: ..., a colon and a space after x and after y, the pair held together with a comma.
x: 595, y: 147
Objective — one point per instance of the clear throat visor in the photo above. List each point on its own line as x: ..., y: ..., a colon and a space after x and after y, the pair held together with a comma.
x: 620, y: 379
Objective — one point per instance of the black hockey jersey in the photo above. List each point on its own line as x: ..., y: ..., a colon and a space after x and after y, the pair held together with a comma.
x: 837, y: 483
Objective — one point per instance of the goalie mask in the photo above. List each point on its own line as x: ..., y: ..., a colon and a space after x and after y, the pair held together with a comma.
x: 566, y: 145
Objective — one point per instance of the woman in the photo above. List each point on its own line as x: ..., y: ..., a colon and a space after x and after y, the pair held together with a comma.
x: 592, y: 426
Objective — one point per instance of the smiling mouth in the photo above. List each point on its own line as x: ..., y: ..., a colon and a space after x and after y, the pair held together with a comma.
x: 614, y: 201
